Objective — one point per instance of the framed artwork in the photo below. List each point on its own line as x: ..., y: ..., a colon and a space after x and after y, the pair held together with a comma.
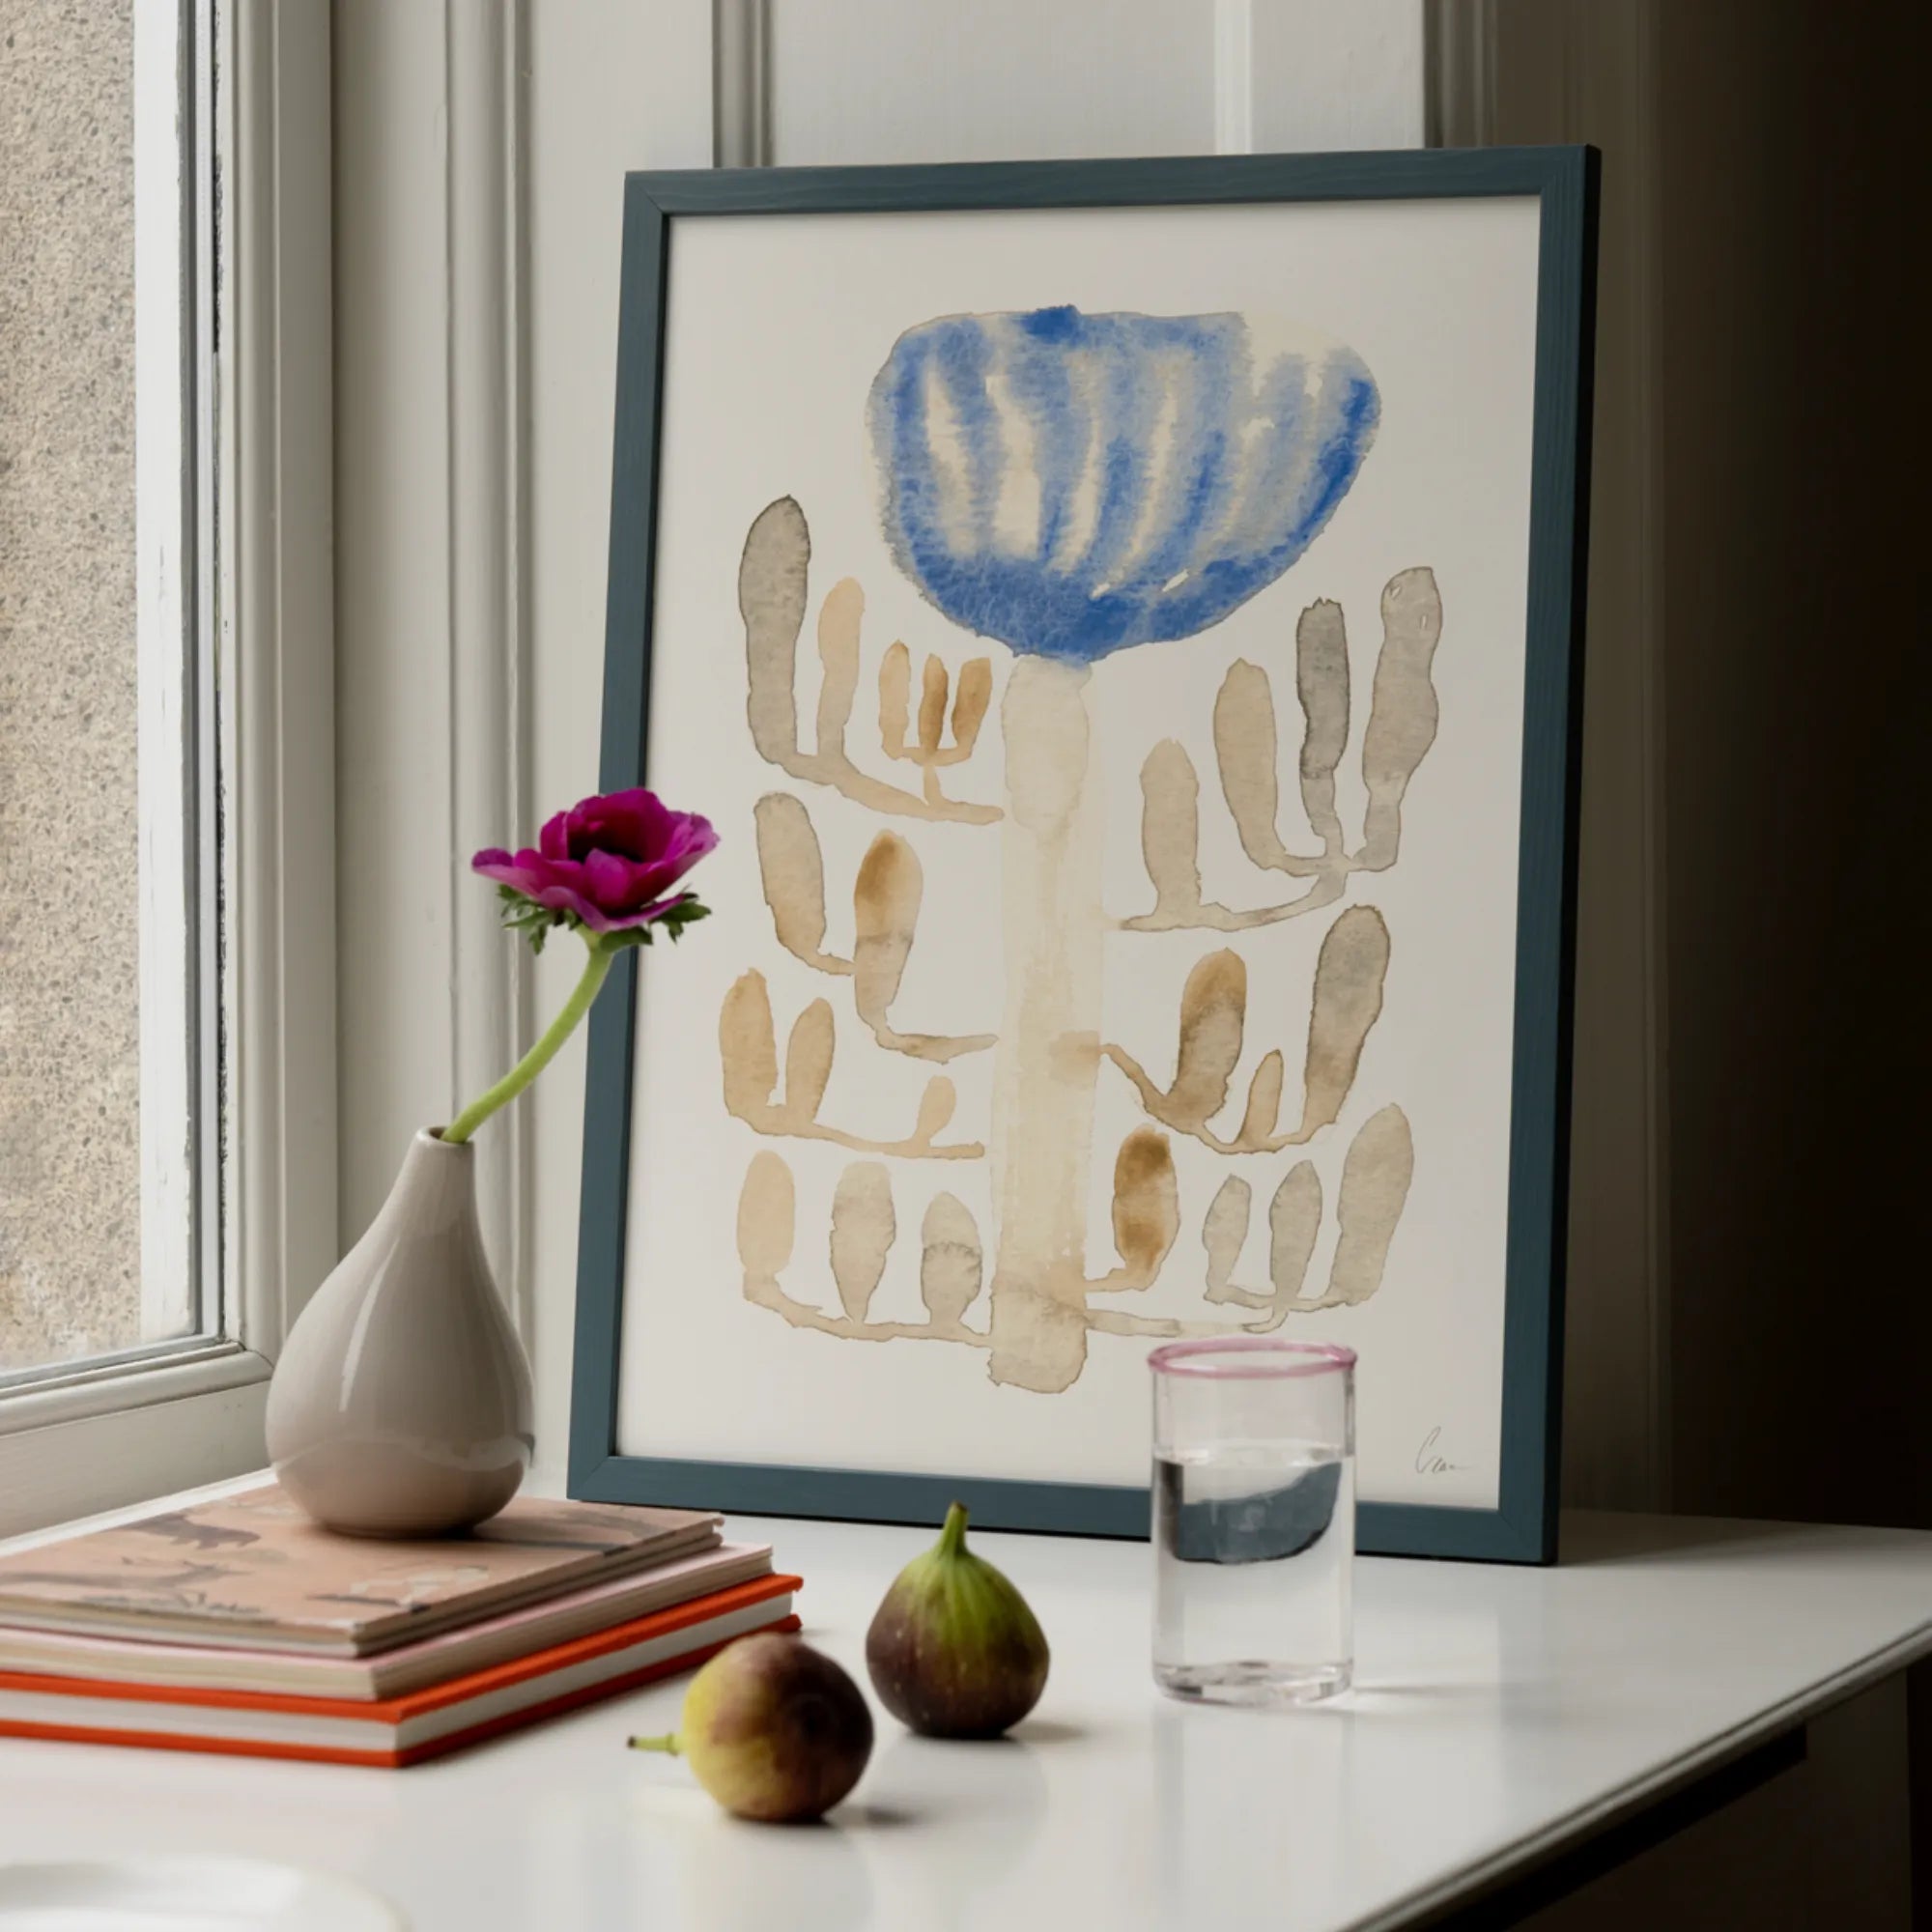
x: 1124, y: 619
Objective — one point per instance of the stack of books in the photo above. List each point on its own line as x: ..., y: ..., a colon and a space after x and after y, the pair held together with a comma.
x: 240, y: 1626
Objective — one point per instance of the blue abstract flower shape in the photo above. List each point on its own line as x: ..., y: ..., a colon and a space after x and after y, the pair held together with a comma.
x: 1072, y: 484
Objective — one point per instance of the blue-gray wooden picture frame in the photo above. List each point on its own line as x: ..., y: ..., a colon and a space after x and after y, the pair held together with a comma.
x: 1523, y: 1528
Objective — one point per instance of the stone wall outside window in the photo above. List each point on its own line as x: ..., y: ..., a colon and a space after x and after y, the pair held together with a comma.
x: 69, y: 1077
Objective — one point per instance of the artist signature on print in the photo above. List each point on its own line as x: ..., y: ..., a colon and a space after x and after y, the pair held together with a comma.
x: 1430, y: 1460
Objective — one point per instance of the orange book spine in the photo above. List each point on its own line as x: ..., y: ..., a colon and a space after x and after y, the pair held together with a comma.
x: 389, y: 1760
x: 393, y: 1710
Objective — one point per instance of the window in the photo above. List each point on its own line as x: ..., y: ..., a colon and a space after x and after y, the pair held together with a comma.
x: 106, y: 929
x: 165, y: 639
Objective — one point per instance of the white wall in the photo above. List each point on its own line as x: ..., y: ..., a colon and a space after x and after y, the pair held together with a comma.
x: 604, y: 86
x: 609, y: 89
x: 878, y: 80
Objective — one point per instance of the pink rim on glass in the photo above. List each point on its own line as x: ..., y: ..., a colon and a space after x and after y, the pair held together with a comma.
x: 1261, y: 1358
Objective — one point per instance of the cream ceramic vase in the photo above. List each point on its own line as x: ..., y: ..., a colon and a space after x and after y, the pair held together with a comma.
x: 400, y: 1403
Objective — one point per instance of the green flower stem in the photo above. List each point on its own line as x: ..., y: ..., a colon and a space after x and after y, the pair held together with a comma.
x: 543, y: 1052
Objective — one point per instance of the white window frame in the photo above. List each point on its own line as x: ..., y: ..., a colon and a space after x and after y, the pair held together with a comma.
x: 178, y: 942
x: 258, y: 482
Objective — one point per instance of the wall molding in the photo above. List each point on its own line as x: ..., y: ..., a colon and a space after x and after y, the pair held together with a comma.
x: 278, y: 651
x: 1459, y: 55
x: 1233, y: 76
x: 432, y: 588
x: 487, y: 657
x: 741, y: 84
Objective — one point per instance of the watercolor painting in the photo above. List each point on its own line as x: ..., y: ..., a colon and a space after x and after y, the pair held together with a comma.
x: 1071, y: 486
x: 1119, y: 619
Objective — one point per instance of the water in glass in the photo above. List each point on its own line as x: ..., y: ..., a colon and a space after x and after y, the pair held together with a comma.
x: 1253, y: 1542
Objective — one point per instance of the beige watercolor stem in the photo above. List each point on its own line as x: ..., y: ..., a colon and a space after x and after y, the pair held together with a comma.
x: 1048, y: 1054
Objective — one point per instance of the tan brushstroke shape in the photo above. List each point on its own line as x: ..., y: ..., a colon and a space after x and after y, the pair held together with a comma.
x: 792, y: 870
x: 1247, y: 745
x: 952, y: 1264
x: 1345, y: 1005
x: 1264, y: 1109
x: 1214, y: 917
x: 885, y: 911
x: 1375, y: 1187
x: 1163, y: 1329
x: 1295, y: 1222
x: 1170, y: 831
x: 767, y: 1218
x: 1401, y: 725
x: 929, y: 751
x: 1376, y: 1176
x: 1348, y: 1000
x: 972, y: 698
x: 894, y: 695
x: 838, y: 620
x: 1170, y: 845
x: 935, y: 1107
x: 885, y: 916
x: 765, y: 1233
x: 1039, y: 1315
x: 771, y: 600
x: 772, y: 594
x: 1403, y: 713
x: 1294, y: 1226
x: 1322, y: 683
x: 1044, y: 1072
x: 1147, y: 1207
x: 863, y: 1229
x: 801, y: 1316
x: 748, y: 1048
x: 1212, y: 1006
x: 1245, y: 749
x: 933, y: 688
x: 886, y: 896
x: 808, y: 1066
x: 1224, y: 1228
x: 1146, y: 1214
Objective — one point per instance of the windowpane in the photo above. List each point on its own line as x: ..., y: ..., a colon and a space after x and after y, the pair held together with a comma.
x: 97, y: 705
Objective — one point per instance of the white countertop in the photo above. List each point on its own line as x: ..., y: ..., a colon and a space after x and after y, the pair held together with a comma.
x: 1500, y: 1714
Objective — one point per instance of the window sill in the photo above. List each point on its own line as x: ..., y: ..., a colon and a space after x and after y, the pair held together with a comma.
x: 130, y: 1379
x: 103, y: 1440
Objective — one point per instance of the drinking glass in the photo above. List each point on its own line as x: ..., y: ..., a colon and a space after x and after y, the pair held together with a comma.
x: 1254, y: 1519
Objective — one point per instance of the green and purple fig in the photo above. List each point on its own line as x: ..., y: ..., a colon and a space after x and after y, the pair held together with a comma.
x: 773, y: 1729
x: 954, y: 1651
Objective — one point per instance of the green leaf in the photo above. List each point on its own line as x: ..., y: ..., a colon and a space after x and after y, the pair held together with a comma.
x: 538, y: 922
x: 672, y: 921
x: 524, y: 916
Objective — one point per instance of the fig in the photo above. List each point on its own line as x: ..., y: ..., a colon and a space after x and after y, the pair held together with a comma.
x: 773, y: 1729
x: 954, y: 1651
